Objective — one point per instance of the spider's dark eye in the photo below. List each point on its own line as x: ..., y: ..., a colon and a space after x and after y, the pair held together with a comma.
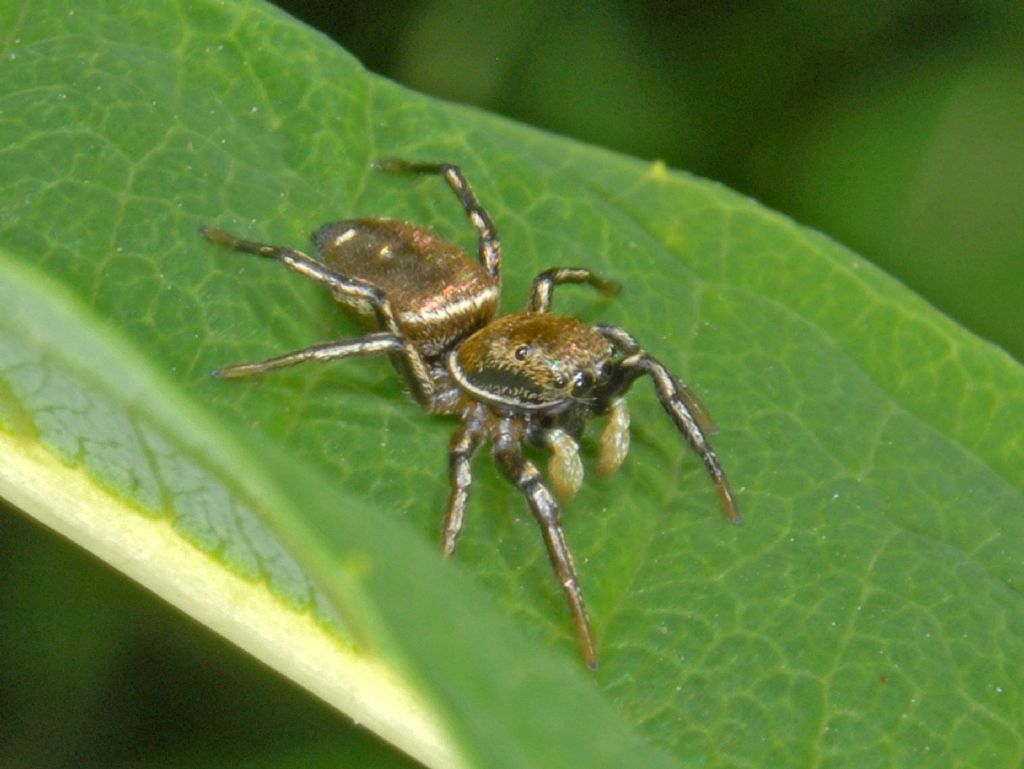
x: 522, y: 351
x: 561, y: 381
x: 604, y: 371
x: 582, y: 381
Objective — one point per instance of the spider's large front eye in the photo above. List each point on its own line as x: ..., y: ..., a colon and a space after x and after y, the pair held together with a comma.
x: 582, y: 381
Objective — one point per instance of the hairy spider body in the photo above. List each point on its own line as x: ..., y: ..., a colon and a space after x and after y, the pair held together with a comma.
x: 437, y: 293
x: 530, y: 378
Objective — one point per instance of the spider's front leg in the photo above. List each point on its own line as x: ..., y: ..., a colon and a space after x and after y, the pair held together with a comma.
x: 628, y: 344
x: 464, y: 444
x: 679, y: 403
x: 526, y: 477
x: 544, y: 285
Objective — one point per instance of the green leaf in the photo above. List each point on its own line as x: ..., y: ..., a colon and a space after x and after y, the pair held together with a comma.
x: 867, y: 614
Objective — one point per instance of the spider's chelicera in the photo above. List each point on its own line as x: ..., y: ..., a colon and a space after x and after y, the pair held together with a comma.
x: 531, y: 378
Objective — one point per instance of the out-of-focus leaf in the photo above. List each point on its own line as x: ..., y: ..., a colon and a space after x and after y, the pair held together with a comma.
x: 866, y: 614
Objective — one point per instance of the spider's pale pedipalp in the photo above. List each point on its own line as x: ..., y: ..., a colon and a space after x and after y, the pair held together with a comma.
x: 614, y: 439
x: 565, y: 468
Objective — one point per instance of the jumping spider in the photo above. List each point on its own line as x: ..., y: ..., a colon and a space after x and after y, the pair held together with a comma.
x: 529, y: 378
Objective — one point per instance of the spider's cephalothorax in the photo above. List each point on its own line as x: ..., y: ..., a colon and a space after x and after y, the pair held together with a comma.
x: 532, y: 378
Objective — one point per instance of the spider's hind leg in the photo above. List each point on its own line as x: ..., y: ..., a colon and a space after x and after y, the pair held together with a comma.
x: 489, y: 246
x: 411, y: 362
x: 291, y: 258
x: 371, y: 344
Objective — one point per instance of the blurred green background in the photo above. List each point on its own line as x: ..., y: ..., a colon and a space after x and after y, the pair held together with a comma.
x: 896, y: 127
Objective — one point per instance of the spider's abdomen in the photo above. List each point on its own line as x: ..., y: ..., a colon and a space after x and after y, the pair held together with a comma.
x: 437, y: 292
x: 532, y: 361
